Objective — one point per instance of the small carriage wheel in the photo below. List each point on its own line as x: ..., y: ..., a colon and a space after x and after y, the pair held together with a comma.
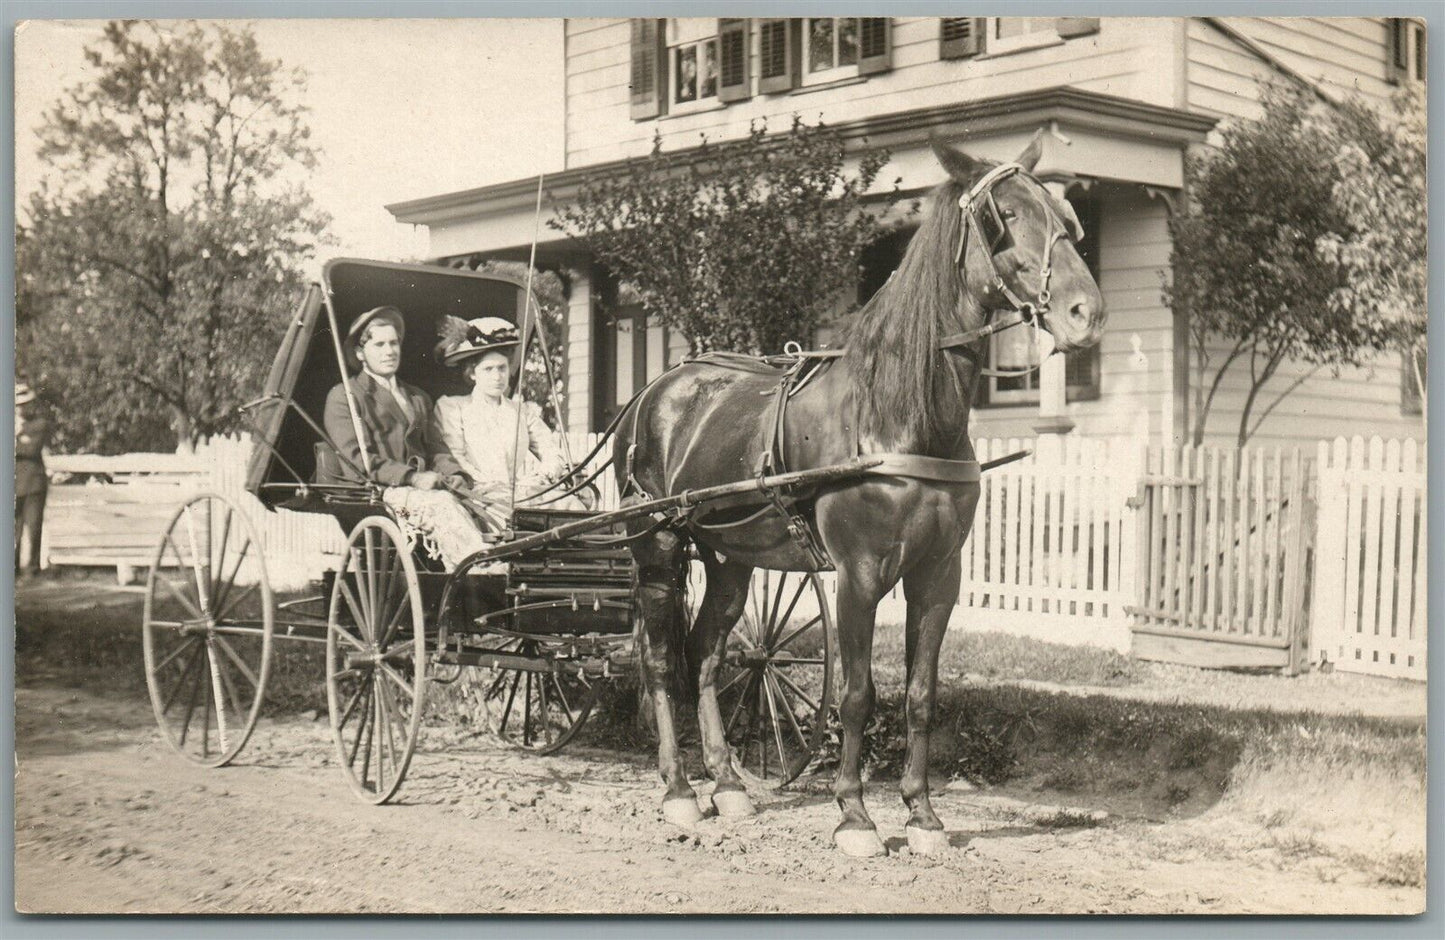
x: 206, y: 630
x: 775, y: 685
x: 375, y: 659
x: 540, y: 709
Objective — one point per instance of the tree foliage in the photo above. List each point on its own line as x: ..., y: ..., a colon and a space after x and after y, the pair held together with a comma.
x: 1381, y: 190
x: 1249, y: 271
x: 157, y: 267
x: 742, y: 245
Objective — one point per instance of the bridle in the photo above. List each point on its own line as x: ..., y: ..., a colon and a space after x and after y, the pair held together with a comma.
x: 982, y: 216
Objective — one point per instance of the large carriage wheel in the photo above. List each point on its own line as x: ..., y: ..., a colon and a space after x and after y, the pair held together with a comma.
x: 375, y: 659
x: 207, y: 629
x: 775, y: 687
x: 536, y: 710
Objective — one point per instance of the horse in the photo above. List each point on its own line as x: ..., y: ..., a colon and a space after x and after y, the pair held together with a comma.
x: 995, y: 240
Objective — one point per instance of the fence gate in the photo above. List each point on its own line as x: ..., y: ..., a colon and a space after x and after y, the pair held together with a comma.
x: 1222, y: 543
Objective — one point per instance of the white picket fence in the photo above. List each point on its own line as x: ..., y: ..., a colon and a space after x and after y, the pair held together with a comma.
x: 1368, y: 612
x: 1052, y: 554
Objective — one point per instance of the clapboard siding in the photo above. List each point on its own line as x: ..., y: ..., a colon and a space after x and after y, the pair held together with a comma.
x: 1127, y: 58
x: 1343, y: 54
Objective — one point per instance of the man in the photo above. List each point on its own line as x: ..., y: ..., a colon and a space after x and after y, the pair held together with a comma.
x: 32, y: 432
x: 401, y: 450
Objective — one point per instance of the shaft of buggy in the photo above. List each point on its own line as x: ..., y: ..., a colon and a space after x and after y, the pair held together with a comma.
x: 683, y: 500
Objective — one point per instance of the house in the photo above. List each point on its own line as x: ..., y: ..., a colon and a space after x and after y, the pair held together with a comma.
x: 1120, y: 101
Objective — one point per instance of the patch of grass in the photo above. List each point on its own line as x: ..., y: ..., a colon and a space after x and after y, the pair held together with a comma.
x: 1005, y: 656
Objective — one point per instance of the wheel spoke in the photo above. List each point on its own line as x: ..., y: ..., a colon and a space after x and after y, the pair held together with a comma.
x: 195, y: 690
x: 527, y: 712
x: 235, y: 602
x: 344, y: 634
x: 219, y: 551
x: 185, y: 601
x: 351, y: 705
x: 357, y: 616
x: 181, y: 647
x: 229, y: 685
x: 793, y: 686
x: 794, y: 635
x: 542, y: 710
x: 511, y: 697
x: 235, y: 573
x: 364, y: 721
x: 742, y: 700
x: 206, y: 710
x: 777, y: 598
x: 369, y: 568
x: 389, y: 633
x: 235, y: 658
x: 383, y: 724
x: 782, y: 623
x: 562, y: 695
x: 196, y: 563
x: 777, y: 726
x: 400, y: 682
x: 742, y: 674
x: 181, y: 679
x: 788, y: 713
x: 168, y: 624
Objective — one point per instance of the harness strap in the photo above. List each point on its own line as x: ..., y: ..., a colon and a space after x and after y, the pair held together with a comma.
x: 918, y: 467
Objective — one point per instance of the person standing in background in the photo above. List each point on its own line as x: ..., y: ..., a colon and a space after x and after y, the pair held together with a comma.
x: 32, y: 432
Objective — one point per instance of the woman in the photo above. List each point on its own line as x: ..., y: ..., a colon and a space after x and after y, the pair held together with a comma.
x: 501, y: 443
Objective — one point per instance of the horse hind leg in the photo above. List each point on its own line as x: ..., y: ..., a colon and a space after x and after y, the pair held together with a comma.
x: 659, y: 631
x: 722, y: 605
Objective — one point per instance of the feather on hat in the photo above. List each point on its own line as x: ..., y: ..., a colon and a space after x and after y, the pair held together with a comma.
x: 461, y: 340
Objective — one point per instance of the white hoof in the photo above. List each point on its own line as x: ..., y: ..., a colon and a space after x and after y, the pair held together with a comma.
x: 682, y: 812
x: 860, y: 843
x: 733, y: 803
x: 926, y: 841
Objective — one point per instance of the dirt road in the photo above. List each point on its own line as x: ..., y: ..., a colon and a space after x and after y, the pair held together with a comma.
x: 108, y: 820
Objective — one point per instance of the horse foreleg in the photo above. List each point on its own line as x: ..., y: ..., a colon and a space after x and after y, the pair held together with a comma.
x: 659, y: 635
x: 722, y: 605
x: 857, y: 611
x: 931, y: 594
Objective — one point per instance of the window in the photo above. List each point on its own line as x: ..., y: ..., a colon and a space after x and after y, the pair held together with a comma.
x: 830, y: 45
x: 1411, y: 380
x: 692, y: 54
x: 1406, y: 51
x: 1016, y: 348
x: 963, y: 37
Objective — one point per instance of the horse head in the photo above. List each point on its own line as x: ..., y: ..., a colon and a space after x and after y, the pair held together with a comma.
x: 1018, y: 240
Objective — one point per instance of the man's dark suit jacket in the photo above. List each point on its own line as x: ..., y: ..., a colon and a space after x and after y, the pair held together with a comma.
x: 398, y: 448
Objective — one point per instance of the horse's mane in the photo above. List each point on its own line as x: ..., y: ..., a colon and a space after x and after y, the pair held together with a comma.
x: 906, y: 388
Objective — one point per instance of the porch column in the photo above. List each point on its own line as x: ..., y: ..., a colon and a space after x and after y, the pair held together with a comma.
x: 1053, y: 418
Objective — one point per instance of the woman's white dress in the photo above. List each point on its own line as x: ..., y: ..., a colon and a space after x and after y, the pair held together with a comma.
x: 486, y: 437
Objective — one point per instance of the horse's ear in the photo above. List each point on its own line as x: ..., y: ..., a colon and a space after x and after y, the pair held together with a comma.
x: 963, y: 168
x: 1030, y: 157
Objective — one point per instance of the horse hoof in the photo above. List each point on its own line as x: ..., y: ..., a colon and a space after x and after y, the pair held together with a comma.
x: 733, y: 803
x: 860, y: 843
x: 682, y: 812
x: 926, y: 841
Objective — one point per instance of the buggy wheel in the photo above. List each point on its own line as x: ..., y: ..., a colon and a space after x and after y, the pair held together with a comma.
x: 775, y: 685
x: 539, y: 709
x: 206, y: 629
x: 375, y: 659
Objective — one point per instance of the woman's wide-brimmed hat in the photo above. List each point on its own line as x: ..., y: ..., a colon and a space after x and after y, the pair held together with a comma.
x: 464, y: 340
x: 385, y: 314
x: 24, y: 394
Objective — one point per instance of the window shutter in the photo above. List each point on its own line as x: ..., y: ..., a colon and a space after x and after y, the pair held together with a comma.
x: 649, y: 69
x: 1397, y: 50
x: 875, y: 45
x: 776, y: 56
x: 735, y: 82
x: 960, y: 37
x: 1071, y: 26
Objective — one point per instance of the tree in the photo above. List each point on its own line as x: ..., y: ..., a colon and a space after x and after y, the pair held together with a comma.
x: 1247, y: 269
x: 742, y: 245
x: 156, y: 272
x: 1381, y: 189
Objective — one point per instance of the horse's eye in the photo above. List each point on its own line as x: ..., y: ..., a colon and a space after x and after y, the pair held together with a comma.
x: 1007, y: 215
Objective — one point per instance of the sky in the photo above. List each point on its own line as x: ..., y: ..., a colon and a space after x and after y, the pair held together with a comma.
x: 399, y: 109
